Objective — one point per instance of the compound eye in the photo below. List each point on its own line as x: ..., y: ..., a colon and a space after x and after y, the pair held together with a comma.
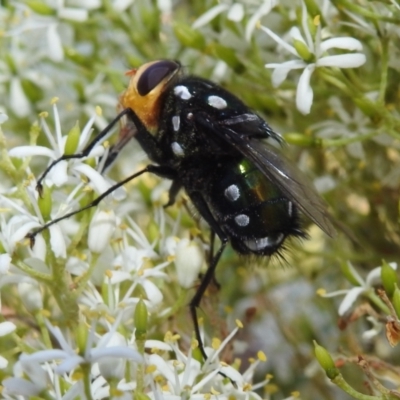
x: 154, y: 75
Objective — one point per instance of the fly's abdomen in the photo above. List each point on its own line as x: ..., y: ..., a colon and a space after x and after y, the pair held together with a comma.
x: 249, y: 208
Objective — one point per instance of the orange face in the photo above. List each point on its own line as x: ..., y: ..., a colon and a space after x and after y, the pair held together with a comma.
x: 145, y: 90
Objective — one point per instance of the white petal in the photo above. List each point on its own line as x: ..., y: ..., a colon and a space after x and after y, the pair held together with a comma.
x: 6, y: 328
x: 29, y: 151
x: 68, y: 365
x: 157, y: 344
x: 19, y: 103
x: 347, y: 43
x: 3, y: 363
x: 58, y: 174
x: 3, y: 117
x: 281, y: 70
x: 188, y: 261
x: 264, y: 9
x: 296, y: 35
x: 236, y: 12
x: 349, y: 299
x: 121, y: 5
x: 101, y: 229
x: 162, y: 367
x: 373, y: 277
x: 39, y: 249
x: 5, y: 261
x: 56, y: 51
x: 342, y: 61
x: 281, y: 42
x: 21, y: 232
x: 44, y: 356
x: 96, y: 179
x: 31, y: 296
x: 153, y: 293
x: 19, y: 386
x: 209, y: 15
x: 116, y: 351
x: 304, y: 94
x: 73, y: 14
x: 57, y: 241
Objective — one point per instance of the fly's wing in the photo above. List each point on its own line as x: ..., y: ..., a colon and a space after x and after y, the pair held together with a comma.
x: 275, y: 166
x: 290, y: 181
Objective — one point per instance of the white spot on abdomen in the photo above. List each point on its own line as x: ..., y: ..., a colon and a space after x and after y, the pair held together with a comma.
x: 262, y: 243
x: 232, y: 193
x: 242, y: 219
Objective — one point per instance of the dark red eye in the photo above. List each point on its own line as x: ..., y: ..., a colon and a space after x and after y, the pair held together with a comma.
x: 154, y: 74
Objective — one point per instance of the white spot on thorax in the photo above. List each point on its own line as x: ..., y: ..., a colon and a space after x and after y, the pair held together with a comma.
x: 182, y: 92
x: 232, y: 193
x: 242, y: 219
x: 262, y: 243
x: 176, y: 122
x: 177, y: 149
x: 217, y: 102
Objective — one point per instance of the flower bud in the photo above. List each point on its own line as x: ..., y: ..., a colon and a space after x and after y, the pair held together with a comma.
x: 72, y: 141
x: 388, y: 277
x: 350, y: 273
x: 303, y: 50
x: 396, y: 300
x: 141, y: 318
x: 40, y: 7
x: 113, y: 366
x: 45, y: 202
x: 325, y: 361
x: 31, y: 296
x: 188, y: 36
x: 101, y: 229
x: 188, y: 261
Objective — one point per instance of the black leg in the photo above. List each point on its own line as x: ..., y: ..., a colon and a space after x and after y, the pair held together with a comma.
x: 85, y: 152
x: 201, y: 205
x: 163, y: 172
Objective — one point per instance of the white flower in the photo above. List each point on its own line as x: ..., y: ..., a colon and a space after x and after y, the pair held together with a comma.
x: 315, y: 52
x: 187, y: 378
x: 5, y: 328
x: 31, y: 296
x: 58, y: 174
x: 189, y: 259
x: 92, y: 353
x: 236, y: 11
x: 351, y: 295
x: 101, y: 228
x: 348, y: 125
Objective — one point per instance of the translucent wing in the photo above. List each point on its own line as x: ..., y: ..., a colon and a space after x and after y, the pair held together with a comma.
x: 277, y: 168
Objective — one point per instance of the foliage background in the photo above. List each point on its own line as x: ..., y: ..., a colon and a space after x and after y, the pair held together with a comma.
x: 47, y: 50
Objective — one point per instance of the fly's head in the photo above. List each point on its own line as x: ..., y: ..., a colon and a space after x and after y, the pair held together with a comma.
x: 146, y: 90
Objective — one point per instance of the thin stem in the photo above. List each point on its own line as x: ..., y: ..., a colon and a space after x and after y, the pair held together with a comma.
x: 384, y: 70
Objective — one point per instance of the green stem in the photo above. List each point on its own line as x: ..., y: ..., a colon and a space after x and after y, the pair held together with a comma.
x: 374, y: 298
x: 84, y: 278
x: 340, y: 382
x: 40, y: 276
x: 360, y: 10
x: 347, y: 140
x: 384, y: 70
x: 87, y: 381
